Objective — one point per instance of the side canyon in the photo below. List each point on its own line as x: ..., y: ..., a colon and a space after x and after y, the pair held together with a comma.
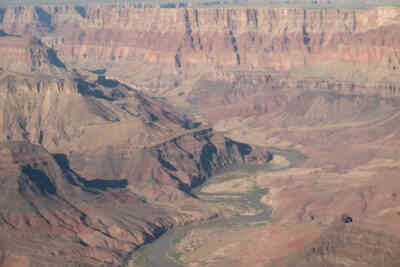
x: 110, y: 116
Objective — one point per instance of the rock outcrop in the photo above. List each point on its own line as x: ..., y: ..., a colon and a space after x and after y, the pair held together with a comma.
x: 343, y: 244
x: 53, y: 111
x: 115, y: 151
x: 88, y: 164
x: 245, y: 38
x: 100, y: 126
x: 27, y: 54
x: 281, y: 99
x: 184, y: 161
x: 329, y: 48
x: 46, y: 204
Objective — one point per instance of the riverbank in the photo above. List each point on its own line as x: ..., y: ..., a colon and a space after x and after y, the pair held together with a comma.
x: 234, y: 196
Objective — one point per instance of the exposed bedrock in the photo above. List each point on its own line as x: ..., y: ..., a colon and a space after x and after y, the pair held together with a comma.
x: 280, y: 38
x: 27, y: 54
x: 88, y: 202
x: 342, y: 244
x: 273, y: 99
x: 108, y: 130
x: 47, y: 204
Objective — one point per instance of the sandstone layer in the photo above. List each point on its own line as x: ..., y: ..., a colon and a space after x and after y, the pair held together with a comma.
x: 353, y: 48
x: 27, y: 54
x: 253, y: 38
x: 321, y: 81
x: 117, y: 155
x: 46, y: 204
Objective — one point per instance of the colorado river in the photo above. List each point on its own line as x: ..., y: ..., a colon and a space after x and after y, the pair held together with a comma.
x: 161, y: 252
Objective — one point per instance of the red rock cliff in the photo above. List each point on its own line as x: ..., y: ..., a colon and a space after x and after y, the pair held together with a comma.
x: 279, y: 38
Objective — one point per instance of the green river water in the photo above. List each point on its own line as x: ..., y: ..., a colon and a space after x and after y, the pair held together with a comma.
x: 162, y: 253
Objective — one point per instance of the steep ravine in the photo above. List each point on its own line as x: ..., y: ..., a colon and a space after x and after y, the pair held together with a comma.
x: 118, y: 154
x: 135, y: 218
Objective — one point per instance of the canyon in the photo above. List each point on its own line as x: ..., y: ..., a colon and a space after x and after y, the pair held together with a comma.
x: 112, y: 115
x: 343, y: 47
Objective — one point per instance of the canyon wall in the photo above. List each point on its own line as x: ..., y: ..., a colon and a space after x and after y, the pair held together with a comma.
x: 27, y: 54
x: 114, y: 153
x: 108, y: 130
x: 48, y: 204
x: 245, y: 38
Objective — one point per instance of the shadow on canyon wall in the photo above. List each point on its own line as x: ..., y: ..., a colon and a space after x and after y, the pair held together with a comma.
x: 87, y: 185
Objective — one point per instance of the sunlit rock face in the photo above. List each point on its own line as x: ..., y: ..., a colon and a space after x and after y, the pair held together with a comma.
x: 280, y: 38
x: 86, y: 163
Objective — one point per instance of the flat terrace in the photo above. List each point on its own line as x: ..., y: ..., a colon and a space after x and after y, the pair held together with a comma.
x: 202, y: 131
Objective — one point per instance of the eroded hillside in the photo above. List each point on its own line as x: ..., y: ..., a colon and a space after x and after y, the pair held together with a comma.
x: 130, y: 108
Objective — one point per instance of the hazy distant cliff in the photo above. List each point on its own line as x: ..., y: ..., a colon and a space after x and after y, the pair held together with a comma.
x: 182, y: 38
